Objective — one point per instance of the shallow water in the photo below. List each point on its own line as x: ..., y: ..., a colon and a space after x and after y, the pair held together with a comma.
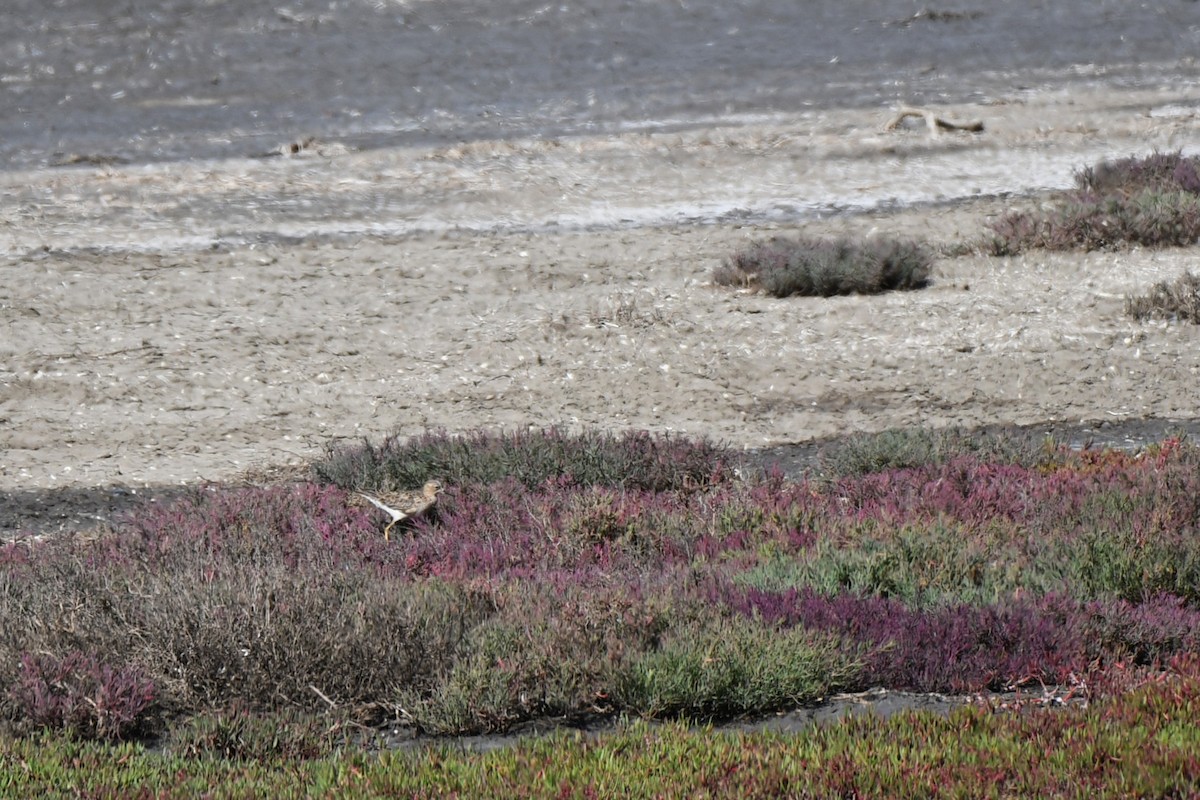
x: 180, y: 79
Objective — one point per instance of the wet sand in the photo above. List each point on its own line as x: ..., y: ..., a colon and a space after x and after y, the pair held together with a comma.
x: 165, y: 80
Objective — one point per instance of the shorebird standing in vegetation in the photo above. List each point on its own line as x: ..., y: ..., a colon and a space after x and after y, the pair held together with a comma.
x: 404, y: 505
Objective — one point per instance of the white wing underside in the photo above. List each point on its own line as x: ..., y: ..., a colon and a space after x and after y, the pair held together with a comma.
x: 395, y: 513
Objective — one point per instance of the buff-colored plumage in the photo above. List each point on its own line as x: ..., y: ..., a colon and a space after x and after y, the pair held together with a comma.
x: 404, y: 505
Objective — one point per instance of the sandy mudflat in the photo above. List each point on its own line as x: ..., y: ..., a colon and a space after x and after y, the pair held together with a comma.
x: 185, y: 321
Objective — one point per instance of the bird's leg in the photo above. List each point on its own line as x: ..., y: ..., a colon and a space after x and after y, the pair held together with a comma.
x: 388, y: 530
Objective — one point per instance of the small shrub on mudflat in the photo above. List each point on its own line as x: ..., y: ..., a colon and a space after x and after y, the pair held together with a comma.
x: 83, y: 695
x: 824, y: 268
x: 1152, y: 201
x: 239, y: 614
x: 1173, y: 300
x: 1162, y: 172
x: 267, y: 639
x: 552, y: 649
x: 631, y: 460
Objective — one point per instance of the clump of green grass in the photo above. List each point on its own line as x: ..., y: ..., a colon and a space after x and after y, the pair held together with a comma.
x: 1174, y: 300
x: 1152, y: 201
x: 553, y: 649
x: 826, y: 267
x: 239, y: 733
x: 630, y: 460
x: 725, y: 668
x: 900, y: 448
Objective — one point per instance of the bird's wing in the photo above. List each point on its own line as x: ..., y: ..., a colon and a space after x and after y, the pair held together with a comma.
x: 376, y: 502
x: 420, y: 504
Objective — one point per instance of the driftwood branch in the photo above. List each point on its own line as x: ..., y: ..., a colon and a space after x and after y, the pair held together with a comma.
x: 933, y: 121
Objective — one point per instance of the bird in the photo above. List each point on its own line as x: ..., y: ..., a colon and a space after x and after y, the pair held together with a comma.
x: 404, y: 505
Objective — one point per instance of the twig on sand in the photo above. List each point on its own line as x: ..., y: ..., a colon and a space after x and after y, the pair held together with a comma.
x: 332, y: 705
